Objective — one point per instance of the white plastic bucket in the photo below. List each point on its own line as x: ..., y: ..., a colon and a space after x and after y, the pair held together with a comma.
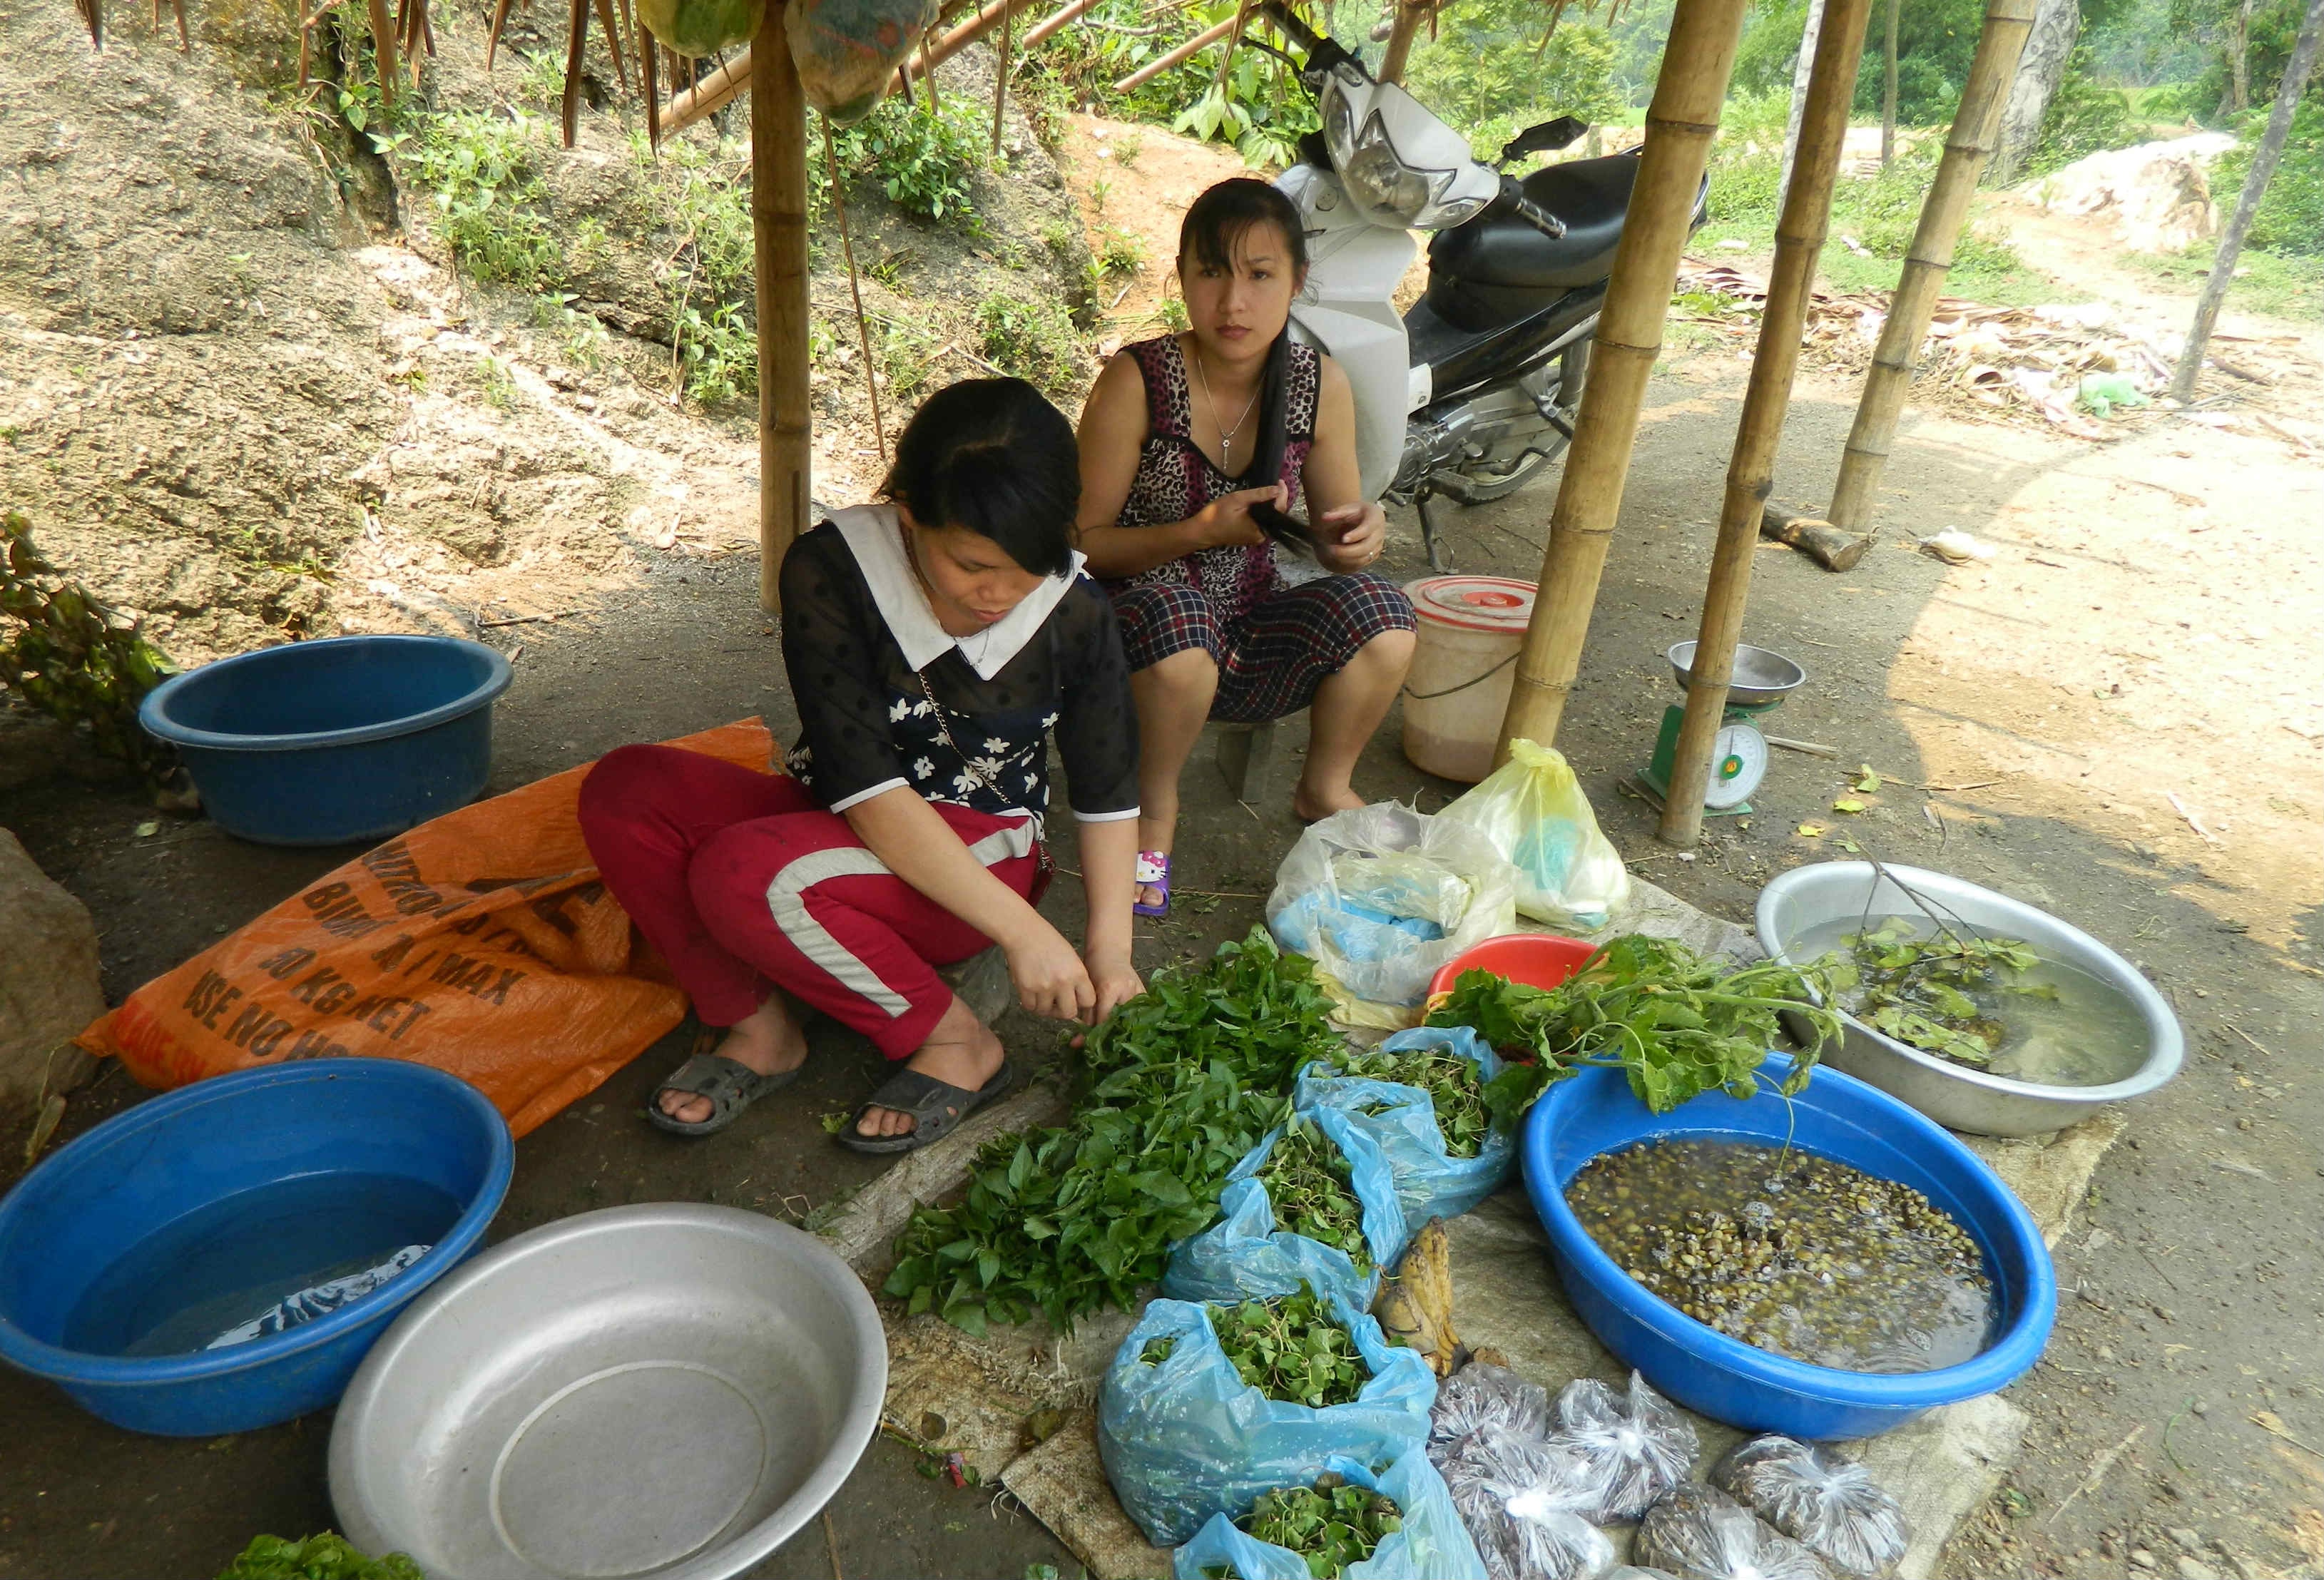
x: 1463, y: 669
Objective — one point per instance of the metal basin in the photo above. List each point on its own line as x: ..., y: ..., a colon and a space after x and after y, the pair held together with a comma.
x: 1966, y: 1099
x: 670, y: 1389
x: 1760, y: 675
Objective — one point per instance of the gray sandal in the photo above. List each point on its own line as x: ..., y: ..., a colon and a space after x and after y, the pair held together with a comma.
x: 936, y: 1108
x: 729, y: 1085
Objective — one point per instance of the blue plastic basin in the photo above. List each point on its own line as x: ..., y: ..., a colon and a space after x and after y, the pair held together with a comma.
x: 100, y: 1204
x: 328, y: 743
x: 1836, y: 1117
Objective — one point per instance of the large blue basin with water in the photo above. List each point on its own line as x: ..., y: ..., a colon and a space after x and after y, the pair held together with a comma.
x: 1836, y: 1117
x: 196, y: 1208
x: 352, y: 738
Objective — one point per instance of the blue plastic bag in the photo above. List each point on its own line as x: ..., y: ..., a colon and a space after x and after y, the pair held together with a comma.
x: 1430, y: 1183
x: 1244, y: 1256
x: 1434, y: 1545
x: 1185, y: 1438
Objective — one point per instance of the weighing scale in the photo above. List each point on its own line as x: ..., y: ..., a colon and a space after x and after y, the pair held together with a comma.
x: 1739, y: 754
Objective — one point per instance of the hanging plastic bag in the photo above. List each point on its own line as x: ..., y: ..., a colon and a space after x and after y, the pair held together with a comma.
x: 1480, y: 1396
x: 847, y: 50
x: 482, y: 943
x: 1401, y: 1118
x: 1829, y: 1504
x: 1369, y: 894
x: 1534, y: 812
x: 1433, y: 1544
x: 1636, y: 1446
x: 1246, y: 1255
x: 695, y: 28
x: 1698, y: 1532
x: 1519, y: 1497
x: 1184, y: 1438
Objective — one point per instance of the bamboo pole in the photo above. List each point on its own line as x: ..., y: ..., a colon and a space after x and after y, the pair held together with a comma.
x: 1888, y: 89
x: 577, y: 47
x: 966, y: 34
x: 1800, y: 234
x: 1154, y: 69
x: 1680, y: 125
x: 1942, y: 213
x: 383, y: 50
x: 1055, y: 20
x: 778, y: 234
x: 2263, y: 168
x: 1000, y: 77
x: 707, y: 94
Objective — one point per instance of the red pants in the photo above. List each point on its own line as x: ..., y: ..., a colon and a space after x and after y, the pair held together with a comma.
x: 741, y: 879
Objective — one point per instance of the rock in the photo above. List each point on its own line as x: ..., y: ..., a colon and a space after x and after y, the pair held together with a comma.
x: 48, y: 971
x: 2192, y: 1541
x: 2193, y: 1569
x: 2140, y: 1558
x: 2156, y: 195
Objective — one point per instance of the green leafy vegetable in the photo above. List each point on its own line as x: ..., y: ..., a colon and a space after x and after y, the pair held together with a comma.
x: 327, y: 1556
x: 1678, y: 1025
x: 1918, y: 990
x: 1291, y: 1348
x: 1183, y: 1080
x: 1331, y: 1525
x: 1451, y: 1082
x: 1309, y: 1185
x: 73, y: 657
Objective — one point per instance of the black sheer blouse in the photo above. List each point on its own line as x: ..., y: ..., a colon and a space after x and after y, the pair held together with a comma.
x: 869, y: 722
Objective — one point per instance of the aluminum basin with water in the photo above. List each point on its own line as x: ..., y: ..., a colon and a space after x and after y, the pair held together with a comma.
x: 670, y: 1390
x: 1955, y: 1095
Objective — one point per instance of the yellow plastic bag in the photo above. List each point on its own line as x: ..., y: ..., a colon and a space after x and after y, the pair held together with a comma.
x: 1534, y: 811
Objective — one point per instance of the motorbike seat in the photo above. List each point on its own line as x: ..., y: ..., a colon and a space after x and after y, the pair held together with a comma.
x: 1589, y: 196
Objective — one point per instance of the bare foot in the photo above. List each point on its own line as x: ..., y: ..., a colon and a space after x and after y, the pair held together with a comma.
x: 768, y: 1040
x: 1310, y: 805
x: 962, y: 1051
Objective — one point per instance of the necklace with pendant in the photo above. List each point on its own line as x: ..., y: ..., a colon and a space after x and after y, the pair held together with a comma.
x: 1226, y: 435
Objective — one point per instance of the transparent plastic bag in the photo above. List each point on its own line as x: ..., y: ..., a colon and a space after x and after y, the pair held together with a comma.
x: 1534, y: 812
x: 1478, y: 1396
x: 1430, y: 1182
x: 1434, y: 1545
x: 1637, y: 1445
x: 1698, y: 1532
x: 1830, y: 1504
x: 318, y: 1300
x: 1404, y: 884
x: 1321, y: 903
x: 1518, y: 1496
x: 1245, y: 1256
x: 1185, y: 1437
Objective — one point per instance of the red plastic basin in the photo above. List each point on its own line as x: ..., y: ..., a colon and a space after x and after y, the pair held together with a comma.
x: 1537, y: 959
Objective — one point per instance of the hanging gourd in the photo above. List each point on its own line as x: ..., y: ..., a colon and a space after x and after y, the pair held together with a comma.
x: 847, y: 50
x: 695, y: 28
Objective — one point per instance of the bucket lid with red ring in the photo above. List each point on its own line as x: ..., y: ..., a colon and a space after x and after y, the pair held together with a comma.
x: 1498, y: 603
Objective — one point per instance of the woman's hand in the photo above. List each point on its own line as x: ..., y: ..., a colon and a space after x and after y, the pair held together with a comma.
x: 1050, y: 978
x: 1226, y: 520
x: 1117, y: 982
x: 1348, y: 538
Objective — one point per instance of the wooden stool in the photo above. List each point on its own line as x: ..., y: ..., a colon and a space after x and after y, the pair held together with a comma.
x: 1247, y: 758
x: 983, y: 983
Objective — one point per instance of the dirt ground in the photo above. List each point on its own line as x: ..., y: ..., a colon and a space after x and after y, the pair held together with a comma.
x: 2115, y: 716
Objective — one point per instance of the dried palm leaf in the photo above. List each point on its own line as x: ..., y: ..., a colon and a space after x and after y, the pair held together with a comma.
x: 576, y: 43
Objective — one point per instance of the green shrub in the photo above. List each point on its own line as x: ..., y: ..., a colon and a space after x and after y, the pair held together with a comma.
x: 1035, y: 340
x: 479, y: 169
x: 2291, y: 218
x: 2085, y: 117
x: 924, y: 158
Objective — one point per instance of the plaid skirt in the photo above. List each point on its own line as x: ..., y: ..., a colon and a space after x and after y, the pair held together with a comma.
x: 1271, y: 660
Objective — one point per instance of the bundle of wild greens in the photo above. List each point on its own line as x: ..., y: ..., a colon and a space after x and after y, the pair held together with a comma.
x: 1334, y: 1525
x: 1450, y: 1081
x: 1290, y: 1348
x: 325, y: 1557
x: 1920, y: 990
x: 1183, y: 1080
x: 1677, y: 1024
x: 1312, y: 1191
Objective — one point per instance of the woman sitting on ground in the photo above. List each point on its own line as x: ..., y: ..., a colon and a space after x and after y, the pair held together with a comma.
x: 1182, y: 438
x: 933, y: 643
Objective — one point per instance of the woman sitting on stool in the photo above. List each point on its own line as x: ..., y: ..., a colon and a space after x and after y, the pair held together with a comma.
x: 1182, y: 438
x: 933, y: 643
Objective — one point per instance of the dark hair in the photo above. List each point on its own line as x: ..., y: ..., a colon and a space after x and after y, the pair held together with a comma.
x: 1216, y: 223
x: 994, y: 457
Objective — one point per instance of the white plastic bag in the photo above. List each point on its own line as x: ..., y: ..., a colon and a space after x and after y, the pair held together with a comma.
x: 1368, y: 895
x: 1635, y: 1445
x: 1534, y: 812
x: 1829, y: 1504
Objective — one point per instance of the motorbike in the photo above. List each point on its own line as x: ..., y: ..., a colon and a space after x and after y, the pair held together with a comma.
x: 1469, y: 393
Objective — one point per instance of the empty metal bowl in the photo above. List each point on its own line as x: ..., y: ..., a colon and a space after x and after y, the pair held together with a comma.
x: 1760, y: 675
x: 1806, y: 898
x: 670, y: 1389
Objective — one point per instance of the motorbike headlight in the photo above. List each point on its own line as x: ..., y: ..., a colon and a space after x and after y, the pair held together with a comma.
x: 1378, y: 180
x: 1339, y: 122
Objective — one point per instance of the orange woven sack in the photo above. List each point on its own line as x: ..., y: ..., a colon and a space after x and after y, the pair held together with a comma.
x: 482, y: 943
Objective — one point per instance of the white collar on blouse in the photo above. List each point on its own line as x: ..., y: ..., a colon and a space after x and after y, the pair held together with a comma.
x: 873, y: 534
